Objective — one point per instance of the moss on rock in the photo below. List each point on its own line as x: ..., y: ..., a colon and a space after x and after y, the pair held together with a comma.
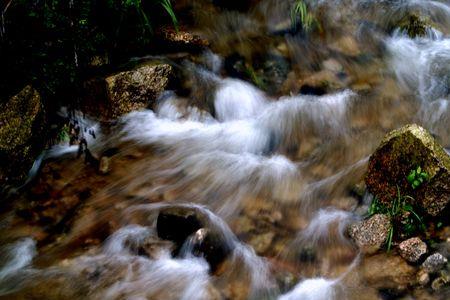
x: 414, y: 25
x: 21, y: 123
x: 401, y: 151
x: 123, y: 92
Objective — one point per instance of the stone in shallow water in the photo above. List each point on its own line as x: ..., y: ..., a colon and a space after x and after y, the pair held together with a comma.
x: 370, y: 235
x: 401, y: 151
x: 387, y: 271
x: 184, y: 225
x: 412, y: 249
x: 434, y: 263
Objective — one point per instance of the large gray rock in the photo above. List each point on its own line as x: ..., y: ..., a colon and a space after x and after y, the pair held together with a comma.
x: 21, y: 124
x: 126, y: 91
x: 401, y: 151
x: 370, y: 235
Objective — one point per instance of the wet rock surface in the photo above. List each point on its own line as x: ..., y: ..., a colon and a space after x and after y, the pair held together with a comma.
x: 401, y: 151
x: 412, y: 249
x: 370, y: 235
x: 189, y: 227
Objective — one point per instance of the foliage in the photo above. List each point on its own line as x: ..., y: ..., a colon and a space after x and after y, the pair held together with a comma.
x: 301, y: 16
x: 417, y: 177
x: 52, y: 43
x: 404, y: 218
x: 251, y: 73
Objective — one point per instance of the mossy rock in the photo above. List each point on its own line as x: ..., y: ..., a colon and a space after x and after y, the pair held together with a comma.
x: 21, y: 124
x: 401, y: 151
x: 414, y: 25
x: 120, y: 93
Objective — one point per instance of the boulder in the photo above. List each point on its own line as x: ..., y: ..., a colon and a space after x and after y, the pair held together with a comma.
x: 192, y: 229
x: 370, y: 235
x: 387, y: 271
x: 434, y: 263
x: 412, y: 249
x: 123, y: 92
x: 21, y: 127
x: 401, y: 151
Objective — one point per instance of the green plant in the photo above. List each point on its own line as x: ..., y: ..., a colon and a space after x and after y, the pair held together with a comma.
x: 301, y: 16
x: 402, y: 215
x: 53, y: 43
x: 417, y: 177
x: 256, y: 79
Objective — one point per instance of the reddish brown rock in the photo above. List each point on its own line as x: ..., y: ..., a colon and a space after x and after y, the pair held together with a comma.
x: 401, y: 151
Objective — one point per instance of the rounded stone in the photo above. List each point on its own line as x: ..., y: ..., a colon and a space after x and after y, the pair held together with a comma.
x: 412, y: 249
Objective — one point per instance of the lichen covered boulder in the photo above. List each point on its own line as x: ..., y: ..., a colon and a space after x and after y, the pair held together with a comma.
x: 21, y: 124
x: 401, y: 151
x: 123, y: 92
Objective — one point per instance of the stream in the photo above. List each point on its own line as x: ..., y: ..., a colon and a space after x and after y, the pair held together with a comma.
x: 275, y: 169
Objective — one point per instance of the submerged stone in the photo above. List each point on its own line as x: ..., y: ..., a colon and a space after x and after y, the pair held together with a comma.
x: 387, y: 271
x: 401, y: 151
x: 370, y: 235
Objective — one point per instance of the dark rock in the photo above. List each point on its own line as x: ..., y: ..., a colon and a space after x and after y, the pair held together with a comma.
x: 189, y: 227
x: 211, y: 246
x: 401, y: 151
x: 126, y: 91
x: 412, y: 249
x: 177, y: 224
x: 307, y: 89
x: 21, y: 126
x: 370, y: 235
x: 434, y: 263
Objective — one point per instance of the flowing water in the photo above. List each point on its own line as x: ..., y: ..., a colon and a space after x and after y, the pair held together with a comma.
x: 275, y: 171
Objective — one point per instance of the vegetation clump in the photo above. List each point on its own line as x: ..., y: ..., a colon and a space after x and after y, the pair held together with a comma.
x: 405, y: 220
x: 302, y: 18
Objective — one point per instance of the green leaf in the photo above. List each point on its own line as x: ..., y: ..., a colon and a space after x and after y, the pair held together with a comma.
x: 419, y: 170
x: 411, y: 176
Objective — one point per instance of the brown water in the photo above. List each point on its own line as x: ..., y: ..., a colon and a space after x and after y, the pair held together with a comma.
x: 279, y: 173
